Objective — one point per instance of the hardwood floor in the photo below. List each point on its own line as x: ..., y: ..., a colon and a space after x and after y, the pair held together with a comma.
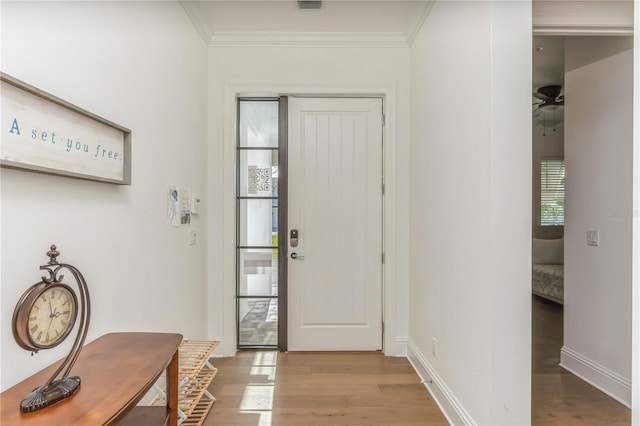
x: 559, y: 397
x: 272, y: 388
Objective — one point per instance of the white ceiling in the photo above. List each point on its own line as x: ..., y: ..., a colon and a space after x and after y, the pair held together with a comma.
x: 548, y: 60
x: 338, y: 22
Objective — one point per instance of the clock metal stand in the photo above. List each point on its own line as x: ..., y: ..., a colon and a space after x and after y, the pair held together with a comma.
x: 57, y: 389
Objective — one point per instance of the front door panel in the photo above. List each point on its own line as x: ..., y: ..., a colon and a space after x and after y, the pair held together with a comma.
x: 335, y: 219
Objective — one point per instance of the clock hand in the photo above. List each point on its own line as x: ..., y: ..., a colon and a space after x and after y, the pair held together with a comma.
x: 49, y: 327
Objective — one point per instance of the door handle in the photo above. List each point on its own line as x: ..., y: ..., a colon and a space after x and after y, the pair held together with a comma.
x: 295, y: 256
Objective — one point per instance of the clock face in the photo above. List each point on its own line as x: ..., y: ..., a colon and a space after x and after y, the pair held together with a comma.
x: 51, y: 316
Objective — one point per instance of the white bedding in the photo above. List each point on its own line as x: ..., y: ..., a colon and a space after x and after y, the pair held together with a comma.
x: 548, y: 281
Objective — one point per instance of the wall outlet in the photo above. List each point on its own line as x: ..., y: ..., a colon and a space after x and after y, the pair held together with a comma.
x: 434, y: 347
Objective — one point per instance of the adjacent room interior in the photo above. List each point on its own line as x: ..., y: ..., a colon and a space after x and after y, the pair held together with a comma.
x: 551, y: 301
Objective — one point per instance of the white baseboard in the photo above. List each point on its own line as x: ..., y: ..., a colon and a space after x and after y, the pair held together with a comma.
x: 614, y: 385
x: 219, y: 352
x: 442, y: 395
x: 400, y: 348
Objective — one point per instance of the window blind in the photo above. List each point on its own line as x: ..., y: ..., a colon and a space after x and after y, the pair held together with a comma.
x: 552, y: 192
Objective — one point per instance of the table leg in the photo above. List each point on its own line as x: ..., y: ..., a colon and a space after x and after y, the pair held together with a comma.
x: 172, y: 390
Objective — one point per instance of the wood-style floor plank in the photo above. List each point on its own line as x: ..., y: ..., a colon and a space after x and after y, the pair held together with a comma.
x: 559, y: 398
x: 272, y: 388
x: 340, y: 388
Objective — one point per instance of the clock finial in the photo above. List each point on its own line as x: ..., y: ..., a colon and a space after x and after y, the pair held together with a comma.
x: 53, y: 253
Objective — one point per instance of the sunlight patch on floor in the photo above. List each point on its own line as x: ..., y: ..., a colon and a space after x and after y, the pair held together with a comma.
x: 268, y: 372
x: 257, y: 398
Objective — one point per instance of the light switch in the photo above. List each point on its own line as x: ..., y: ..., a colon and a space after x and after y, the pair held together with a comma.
x: 193, y: 237
x: 593, y: 238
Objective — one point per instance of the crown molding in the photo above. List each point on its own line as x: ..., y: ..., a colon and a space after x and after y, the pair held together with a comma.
x: 198, y: 21
x: 308, y: 39
x: 316, y: 39
x: 414, y: 27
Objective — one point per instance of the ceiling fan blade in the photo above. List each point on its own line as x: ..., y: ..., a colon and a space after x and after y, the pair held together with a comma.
x: 540, y: 96
x: 550, y: 91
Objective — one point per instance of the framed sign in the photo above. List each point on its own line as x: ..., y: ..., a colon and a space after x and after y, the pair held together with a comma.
x: 46, y: 134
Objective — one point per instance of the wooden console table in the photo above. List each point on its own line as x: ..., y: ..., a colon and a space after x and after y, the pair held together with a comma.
x: 116, y: 371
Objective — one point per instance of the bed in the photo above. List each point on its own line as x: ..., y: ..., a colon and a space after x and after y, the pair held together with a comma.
x: 548, y: 281
x: 547, y: 274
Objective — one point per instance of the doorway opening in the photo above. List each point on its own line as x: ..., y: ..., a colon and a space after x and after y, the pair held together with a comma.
x: 574, y: 277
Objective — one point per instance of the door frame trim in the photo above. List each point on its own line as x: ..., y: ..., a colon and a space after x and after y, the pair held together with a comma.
x: 393, y: 344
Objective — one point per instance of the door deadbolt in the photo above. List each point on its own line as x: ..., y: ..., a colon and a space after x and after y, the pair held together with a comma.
x: 293, y: 238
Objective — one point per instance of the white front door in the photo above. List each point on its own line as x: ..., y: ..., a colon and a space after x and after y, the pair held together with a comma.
x: 335, y: 204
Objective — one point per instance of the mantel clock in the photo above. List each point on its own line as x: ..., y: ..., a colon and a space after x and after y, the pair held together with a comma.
x: 43, y: 318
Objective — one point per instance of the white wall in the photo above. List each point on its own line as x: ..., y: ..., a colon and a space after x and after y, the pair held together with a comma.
x: 306, y: 70
x: 471, y: 209
x: 599, y: 185
x: 141, y: 65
